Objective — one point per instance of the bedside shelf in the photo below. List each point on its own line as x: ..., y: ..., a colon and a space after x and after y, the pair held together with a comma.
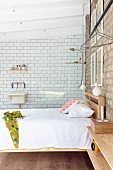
x: 98, y: 160
x: 105, y: 144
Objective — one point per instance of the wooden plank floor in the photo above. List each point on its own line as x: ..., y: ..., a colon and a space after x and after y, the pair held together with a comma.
x: 45, y: 161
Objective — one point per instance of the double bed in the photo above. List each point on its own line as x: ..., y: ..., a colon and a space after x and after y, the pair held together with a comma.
x: 50, y: 130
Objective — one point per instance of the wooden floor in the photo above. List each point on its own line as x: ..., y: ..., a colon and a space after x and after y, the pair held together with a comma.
x: 45, y: 161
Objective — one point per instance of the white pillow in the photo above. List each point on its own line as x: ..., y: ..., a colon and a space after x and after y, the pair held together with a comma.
x: 84, y: 101
x: 80, y: 110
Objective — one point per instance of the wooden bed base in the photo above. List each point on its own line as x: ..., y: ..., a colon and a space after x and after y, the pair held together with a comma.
x: 94, y: 102
x: 45, y: 150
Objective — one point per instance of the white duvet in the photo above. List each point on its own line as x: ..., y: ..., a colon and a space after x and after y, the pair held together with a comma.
x: 43, y: 128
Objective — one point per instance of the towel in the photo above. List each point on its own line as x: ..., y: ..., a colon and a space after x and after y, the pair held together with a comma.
x: 12, y: 125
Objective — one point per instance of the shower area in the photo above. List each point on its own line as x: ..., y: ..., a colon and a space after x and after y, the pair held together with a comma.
x: 51, y: 78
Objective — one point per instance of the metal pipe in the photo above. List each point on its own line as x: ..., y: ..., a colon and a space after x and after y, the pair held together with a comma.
x: 102, y: 16
x: 90, y: 19
x: 98, y: 45
x: 12, y: 85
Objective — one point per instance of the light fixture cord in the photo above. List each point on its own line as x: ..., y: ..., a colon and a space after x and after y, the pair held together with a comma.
x: 83, y: 42
x: 82, y: 66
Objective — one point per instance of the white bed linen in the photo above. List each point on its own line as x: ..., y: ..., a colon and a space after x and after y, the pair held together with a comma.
x: 42, y: 128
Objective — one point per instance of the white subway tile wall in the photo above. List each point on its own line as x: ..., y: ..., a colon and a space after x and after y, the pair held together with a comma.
x: 46, y: 70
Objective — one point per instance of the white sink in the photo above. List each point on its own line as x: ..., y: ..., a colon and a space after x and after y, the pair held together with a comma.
x: 17, y: 98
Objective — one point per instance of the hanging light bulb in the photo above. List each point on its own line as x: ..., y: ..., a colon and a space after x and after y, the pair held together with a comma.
x: 21, y: 23
x: 13, y: 9
x: 96, y: 91
x: 82, y: 87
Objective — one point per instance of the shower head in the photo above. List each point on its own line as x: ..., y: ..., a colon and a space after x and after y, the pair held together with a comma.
x: 75, y: 49
x: 72, y: 49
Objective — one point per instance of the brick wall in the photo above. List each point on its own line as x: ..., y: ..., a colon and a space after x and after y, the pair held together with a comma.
x: 46, y: 70
x: 107, y: 88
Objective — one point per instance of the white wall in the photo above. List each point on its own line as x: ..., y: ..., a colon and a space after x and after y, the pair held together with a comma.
x: 46, y: 70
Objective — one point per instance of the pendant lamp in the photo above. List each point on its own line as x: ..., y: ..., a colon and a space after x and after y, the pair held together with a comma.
x: 96, y: 91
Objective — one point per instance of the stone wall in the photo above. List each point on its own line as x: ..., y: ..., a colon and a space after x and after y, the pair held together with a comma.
x: 107, y: 88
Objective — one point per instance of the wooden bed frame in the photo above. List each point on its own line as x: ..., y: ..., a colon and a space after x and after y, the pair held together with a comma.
x: 94, y: 102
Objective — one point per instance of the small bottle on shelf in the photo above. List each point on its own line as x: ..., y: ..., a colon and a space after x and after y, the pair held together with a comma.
x: 19, y: 67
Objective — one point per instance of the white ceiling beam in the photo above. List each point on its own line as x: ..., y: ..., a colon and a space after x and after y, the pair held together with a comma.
x: 75, y: 19
x: 29, y: 2
x: 41, y: 14
x: 38, y: 6
x: 40, y: 33
x: 44, y: 24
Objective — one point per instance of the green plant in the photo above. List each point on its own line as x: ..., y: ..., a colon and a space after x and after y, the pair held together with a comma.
x: 23, y: 65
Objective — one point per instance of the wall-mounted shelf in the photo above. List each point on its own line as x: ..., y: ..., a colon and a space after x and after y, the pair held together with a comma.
x: 18, y: 71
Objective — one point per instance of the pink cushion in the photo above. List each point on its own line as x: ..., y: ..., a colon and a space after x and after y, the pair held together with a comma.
x: 66, y: 107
